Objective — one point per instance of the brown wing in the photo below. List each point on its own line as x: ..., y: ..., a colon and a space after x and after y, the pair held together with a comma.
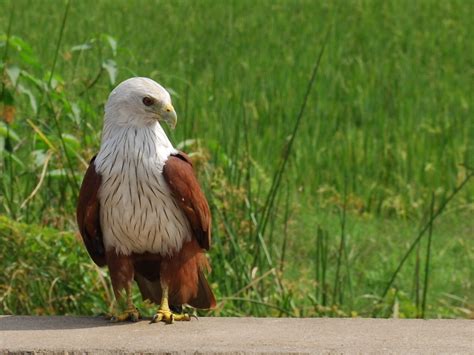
x: 179, y: 174
x: 88, y: 217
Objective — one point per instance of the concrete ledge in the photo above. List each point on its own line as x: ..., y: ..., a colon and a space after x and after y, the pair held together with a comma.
x: 235, y: 336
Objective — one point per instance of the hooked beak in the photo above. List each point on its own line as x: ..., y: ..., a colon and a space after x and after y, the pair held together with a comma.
x: 169, y: 116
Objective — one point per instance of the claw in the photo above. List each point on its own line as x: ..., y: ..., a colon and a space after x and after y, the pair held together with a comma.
x: 163, y: 315
x: 156, y: 318
x: 131, y: 315
x: 134, y: 317
x: 108, y: 316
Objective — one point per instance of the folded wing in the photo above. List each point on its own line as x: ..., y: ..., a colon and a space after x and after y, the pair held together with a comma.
x: 88, y: 217
x: 179, y: 174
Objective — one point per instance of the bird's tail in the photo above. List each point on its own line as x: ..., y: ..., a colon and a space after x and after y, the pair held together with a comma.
x: 204, y: 298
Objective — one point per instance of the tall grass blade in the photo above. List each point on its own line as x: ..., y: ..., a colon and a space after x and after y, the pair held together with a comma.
x: 416, y: 281
x: 285, y: 229
x: 427, y: 261
x: 286, y: 155
x: 321, y: 266
x: 423, y: 231
x: 70, y: 176
x: 324, y: 266
x: 10, y: 198
x: 341, y: 250
x: 318, y: 266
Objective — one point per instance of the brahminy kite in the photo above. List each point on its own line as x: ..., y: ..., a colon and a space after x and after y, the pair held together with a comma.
x: 141, y: 211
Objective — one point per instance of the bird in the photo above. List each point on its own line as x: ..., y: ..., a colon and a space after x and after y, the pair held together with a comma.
x: 141, y: 211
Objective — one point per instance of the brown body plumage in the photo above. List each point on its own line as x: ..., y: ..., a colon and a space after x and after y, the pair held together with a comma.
x: 147, y: 252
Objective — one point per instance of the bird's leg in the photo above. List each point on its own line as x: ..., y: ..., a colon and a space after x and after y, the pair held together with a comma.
x: 131, y: 312
x: 121, y: 272
x: 164, y: 313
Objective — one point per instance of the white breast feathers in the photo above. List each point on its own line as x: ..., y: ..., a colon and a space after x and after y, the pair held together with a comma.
x: 137, y: 210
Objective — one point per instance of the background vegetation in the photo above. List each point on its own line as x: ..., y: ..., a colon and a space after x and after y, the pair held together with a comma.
x: 364, y: 208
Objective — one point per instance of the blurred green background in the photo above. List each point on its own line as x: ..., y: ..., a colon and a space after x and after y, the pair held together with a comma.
x: 378, y: 178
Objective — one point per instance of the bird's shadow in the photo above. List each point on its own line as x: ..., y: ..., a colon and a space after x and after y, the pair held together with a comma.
x: 54, y: 322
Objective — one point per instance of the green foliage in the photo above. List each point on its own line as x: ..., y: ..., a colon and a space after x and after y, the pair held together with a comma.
x: 45, y: 271
x: 387, y: 126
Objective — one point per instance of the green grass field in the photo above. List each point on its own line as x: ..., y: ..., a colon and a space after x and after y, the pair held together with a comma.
x: 384, y: 143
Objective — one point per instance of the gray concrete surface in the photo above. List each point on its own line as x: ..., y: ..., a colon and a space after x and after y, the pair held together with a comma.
x: 236, y: 336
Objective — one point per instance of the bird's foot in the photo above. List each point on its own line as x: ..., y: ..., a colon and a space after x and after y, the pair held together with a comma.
x: 130, y: 314
x: 165, y: 315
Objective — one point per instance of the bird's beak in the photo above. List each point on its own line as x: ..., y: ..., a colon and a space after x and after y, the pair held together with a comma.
x: 169, y: 116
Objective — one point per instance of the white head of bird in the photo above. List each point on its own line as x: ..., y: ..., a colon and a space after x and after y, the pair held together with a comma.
x: 131, y: 122
x: 139, y: 102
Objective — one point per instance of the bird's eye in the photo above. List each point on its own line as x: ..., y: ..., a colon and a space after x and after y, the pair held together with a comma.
x: 148, y: 101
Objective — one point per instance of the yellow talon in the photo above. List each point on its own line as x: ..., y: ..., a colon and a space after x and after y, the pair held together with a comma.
x: 182, y: 317
x: 130, y: 314
x: 164, y: 313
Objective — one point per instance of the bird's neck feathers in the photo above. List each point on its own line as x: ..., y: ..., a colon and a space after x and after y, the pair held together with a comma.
x: 130, y: 142
x: 152, y: 130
